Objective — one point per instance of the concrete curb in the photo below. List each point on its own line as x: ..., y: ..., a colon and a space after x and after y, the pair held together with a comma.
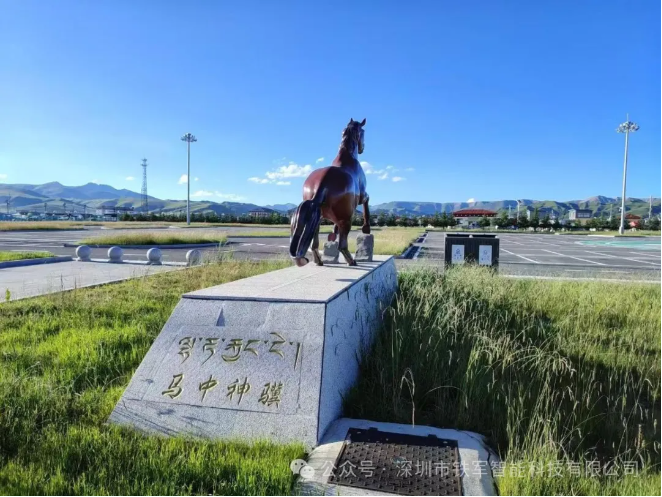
x: 33, y: 262
x: 140, y: 263
x: 175, y: 246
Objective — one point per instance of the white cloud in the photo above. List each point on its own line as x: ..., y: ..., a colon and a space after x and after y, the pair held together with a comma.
x: 202, y: 193
x: 367, y: 167
x: 196, y: 179
x: 409, y: 169
x: 95, y: 181
x: 230, y: 196
x: 225, y: 196
x: 183, y: 179
x: 3, y: 176
x: 130, y: 178
x: 290, y: 171
x: 381, y: 174
x: 255, y: 179
x: 398, y: 178
x: 471, y: 200
x: 279, y: 174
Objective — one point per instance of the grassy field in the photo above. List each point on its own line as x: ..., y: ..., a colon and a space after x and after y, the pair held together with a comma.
x: 19, y: 256
x: 40, y: 225
x: 156, y: 238
x: 65, y: 360
x: 548, y: 371
x: 388, y: 241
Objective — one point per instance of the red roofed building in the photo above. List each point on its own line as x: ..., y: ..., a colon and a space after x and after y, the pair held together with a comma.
x: 470, y: 216
x: 632, y: 220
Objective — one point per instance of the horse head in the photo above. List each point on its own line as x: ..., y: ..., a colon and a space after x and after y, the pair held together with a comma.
x: 354, y: 131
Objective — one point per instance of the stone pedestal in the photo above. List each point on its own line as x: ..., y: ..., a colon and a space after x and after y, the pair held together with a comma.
x: 365, y: 246
x: 267, y: 357
x: 331, y: 252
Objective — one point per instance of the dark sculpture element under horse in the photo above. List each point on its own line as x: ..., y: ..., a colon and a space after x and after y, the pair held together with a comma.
x: 332, y: 193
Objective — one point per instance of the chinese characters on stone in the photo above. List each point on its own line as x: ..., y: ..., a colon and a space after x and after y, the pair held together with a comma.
x: 231, y: 350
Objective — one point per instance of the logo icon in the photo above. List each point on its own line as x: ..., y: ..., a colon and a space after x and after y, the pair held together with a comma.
x: 299, y: 467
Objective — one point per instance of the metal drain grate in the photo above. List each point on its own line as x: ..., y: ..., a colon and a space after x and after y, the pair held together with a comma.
x: 397, y: 463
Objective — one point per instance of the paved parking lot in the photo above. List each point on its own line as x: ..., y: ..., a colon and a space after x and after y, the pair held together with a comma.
x: 241, y: 248
x: 538, y: 254
x: 520, y: 254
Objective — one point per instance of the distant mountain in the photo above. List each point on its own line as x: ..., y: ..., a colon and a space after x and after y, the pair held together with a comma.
x: 600, y: 205
x: 57, y: 198
x: 281, y: 207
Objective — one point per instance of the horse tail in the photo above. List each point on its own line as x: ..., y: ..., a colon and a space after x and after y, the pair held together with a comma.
x: 304, y: 225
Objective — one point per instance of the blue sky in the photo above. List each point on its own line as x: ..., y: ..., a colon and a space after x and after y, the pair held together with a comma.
x: 478, y: 99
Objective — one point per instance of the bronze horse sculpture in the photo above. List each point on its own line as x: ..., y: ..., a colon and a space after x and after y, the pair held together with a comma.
x: 332, y: 193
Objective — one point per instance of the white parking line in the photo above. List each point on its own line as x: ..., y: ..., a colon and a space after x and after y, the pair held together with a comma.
x: 624, y: 258
x: 573, y: 257
x: 521, y: 256
x: 639, y: 254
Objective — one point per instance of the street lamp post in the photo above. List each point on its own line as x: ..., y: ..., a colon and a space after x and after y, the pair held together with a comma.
x: 627, y: 127
x: 188, y: 138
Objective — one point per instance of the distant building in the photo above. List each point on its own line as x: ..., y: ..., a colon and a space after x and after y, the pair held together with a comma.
x: 580, y: 216
x: 261, y: 212
x: 542, y: 213
x: 110, y: 213
x: 632, y: 220
x: 467, y: 217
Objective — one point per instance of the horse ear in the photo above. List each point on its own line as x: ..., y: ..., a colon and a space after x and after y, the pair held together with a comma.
x: 351, y: 120
x: 363, y: 122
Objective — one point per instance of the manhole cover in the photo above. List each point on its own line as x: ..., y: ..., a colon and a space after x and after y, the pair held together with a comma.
x: 397, y: 463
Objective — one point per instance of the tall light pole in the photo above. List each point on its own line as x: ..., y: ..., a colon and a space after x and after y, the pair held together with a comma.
x: 627, y: 127
x: 188, y: 138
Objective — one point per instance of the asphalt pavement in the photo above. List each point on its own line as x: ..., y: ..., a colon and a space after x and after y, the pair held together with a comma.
x: 520, y: 254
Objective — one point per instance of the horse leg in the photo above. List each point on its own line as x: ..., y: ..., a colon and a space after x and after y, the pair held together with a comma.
x: 332, y: 235
x: 343, y: 246
x: 366, y: 217
x: 315, y: 247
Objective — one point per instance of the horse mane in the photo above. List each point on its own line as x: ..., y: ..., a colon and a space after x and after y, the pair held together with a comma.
x: 349, y: 134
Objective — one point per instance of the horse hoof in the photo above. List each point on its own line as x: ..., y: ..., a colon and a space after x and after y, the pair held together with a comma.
x: 301, y: 261
x: 365, y: 230
x: 331, y: 237
x: 353, y: 263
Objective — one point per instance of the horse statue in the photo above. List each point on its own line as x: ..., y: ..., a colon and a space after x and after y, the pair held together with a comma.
x: 332, y: 193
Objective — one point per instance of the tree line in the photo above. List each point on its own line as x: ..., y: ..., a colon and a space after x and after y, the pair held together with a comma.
x: 438, y: 220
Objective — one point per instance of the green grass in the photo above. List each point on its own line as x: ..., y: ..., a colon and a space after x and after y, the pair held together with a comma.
x: 546, y: 370
x: 65, y: 360
x: 19, y: 256
x: 156, y: 238
x: 40, y: 225
x: 388, y: 241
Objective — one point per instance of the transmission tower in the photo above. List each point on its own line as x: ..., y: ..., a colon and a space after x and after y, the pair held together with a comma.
x: 143, y: 192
